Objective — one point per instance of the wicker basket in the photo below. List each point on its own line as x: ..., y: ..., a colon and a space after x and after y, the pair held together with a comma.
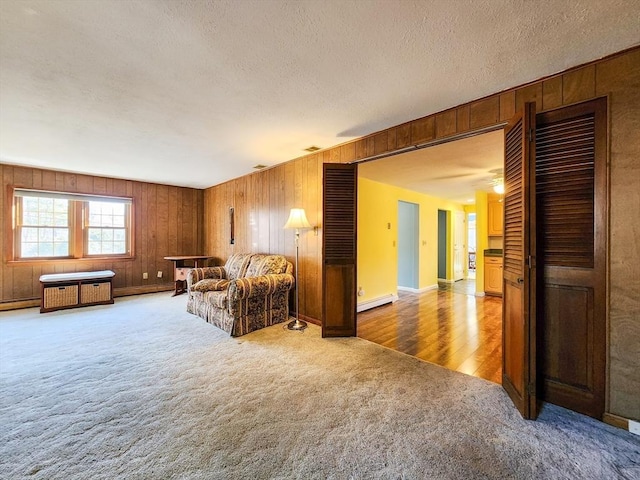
x: 95, y: 292
x: 60, y: 296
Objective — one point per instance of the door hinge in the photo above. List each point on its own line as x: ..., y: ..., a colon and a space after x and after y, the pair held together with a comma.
x: 531, y: 261
x: 531, y: 389
x: 531, y: 135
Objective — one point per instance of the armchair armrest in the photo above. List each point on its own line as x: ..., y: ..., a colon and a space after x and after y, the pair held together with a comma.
x: 197, y: 274
x: 260, y: 286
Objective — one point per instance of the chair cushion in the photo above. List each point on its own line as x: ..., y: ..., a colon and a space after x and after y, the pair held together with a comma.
x: 266, y: 264
x: 217, y: 299
x: 237, y: 264
x: 210, y: 285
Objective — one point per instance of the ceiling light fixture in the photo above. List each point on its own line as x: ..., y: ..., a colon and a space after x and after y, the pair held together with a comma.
x: 259, y: 166
x: 498, y: 185
x: 311, y: 149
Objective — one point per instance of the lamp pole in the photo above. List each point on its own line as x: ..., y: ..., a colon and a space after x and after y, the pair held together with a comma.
x: 297, y: 220
x: 297, y: 324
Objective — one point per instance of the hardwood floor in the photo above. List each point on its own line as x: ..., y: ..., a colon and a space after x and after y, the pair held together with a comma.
x: 455, y: 330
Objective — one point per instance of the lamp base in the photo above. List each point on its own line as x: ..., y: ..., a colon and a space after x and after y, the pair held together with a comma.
x: 297, y: 325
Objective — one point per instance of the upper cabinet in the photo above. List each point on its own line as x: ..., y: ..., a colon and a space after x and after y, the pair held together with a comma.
x: 495, y: 214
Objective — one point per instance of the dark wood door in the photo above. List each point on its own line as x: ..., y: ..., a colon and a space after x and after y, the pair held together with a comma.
x: 519, y: 286
x: 571, y: 185
x: 339, y: 207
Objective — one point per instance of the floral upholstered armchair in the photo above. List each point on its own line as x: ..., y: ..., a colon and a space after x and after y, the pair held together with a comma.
x: 250, y: 292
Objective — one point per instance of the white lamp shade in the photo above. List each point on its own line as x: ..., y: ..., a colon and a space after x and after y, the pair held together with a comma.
x: 297, y: 219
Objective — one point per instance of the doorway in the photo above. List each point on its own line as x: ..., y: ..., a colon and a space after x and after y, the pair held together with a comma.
x: 571, y: 227
x: 459, y: 245
x: 471, y: 242
x: 432, y: 315
x: 443, y: 241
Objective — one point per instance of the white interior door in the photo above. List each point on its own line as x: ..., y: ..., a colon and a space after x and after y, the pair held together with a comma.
x: 458, y: 246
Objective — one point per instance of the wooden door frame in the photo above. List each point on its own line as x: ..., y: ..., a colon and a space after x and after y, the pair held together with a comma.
x: 432, y: 143
x: 501, y: 126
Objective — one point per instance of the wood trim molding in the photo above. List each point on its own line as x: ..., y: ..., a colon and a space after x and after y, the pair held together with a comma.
x: 508, y: 102
x: 306, y: 318
x: 126, y: 291
x: 616, y: 420
x: 6, y: 306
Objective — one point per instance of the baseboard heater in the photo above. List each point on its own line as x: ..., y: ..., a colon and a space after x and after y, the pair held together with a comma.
x: 418, y: 290
x: 376, y: 302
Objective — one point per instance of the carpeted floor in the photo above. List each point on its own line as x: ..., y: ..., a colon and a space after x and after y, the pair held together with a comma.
x: 141, y: 389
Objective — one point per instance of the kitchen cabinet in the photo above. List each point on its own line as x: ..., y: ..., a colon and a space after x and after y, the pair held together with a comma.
x: 493, y: 276
x: 495, y: 217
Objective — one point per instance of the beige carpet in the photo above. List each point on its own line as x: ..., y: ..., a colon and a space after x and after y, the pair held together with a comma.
x: 141, y: 389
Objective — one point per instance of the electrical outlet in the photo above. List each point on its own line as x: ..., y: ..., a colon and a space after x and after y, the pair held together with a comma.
x: 159, y: 273
x: 145, y: 276
x: 634, y: 427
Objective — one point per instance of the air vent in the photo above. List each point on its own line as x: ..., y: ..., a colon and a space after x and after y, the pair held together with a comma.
x: 259, y: 166
x: 312, y: 148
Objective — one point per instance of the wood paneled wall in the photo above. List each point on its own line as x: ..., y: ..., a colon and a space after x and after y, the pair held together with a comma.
x: 167, y: 222
x: 261, y: 203
x: 262, y: 200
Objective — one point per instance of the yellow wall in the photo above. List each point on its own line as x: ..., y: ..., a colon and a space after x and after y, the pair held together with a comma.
x: 482, y: 238
x: 377, y: 259
x: 377, y: 252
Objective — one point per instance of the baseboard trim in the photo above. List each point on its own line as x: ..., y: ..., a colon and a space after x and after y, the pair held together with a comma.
x: 376, y: 302
x: 480, y: 294
x: 126, y: 291
x: 616, y: 420
x: 308, y: 319
x: 419, y: 290
x: 117, y: 292
x: 445, y: 280
x: 19, y: 304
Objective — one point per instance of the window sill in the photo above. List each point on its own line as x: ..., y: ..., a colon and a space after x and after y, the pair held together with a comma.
x: 48, y: 261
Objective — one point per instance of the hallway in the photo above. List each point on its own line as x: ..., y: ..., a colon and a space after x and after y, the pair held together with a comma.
x: 455, y: 330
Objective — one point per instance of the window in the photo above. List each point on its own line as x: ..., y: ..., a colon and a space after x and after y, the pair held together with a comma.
x: 43, y: 227
x: 55, y: 225
x: 106, y: 228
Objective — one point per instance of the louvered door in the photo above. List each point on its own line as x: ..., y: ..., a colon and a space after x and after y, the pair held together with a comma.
x: 339, y: 250
x: 519, y: 286
x: 571, y: 199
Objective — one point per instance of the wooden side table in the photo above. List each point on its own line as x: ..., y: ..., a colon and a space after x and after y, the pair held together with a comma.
x: 181, y: 267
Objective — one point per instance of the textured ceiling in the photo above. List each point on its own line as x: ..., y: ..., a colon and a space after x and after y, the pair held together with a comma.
x: 471, y: 164
x: 194, y: 92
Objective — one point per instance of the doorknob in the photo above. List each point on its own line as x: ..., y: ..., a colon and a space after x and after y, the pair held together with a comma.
x: 520, y: 280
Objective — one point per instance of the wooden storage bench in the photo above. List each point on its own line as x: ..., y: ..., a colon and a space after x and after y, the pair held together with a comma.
x: 80, y: 289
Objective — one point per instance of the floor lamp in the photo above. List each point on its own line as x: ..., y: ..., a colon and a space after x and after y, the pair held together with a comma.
x: 298, y: 221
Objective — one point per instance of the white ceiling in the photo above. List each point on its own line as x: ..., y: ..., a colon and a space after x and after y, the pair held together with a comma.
x: 454, y: 170
x: 195, y: 92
